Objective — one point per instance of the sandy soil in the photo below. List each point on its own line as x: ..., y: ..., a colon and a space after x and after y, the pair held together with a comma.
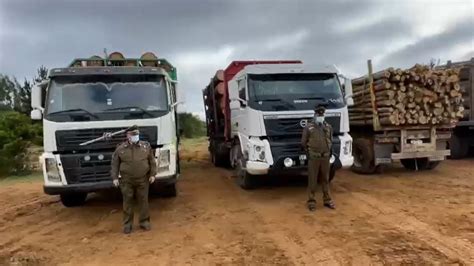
x: 398, y: 217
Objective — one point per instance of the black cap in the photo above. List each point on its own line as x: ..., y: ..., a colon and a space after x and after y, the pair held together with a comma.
x: 133, y: 129
x: 320, y: 109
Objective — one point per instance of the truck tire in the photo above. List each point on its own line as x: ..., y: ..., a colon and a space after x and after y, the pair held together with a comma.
x: 169, y: 191
x: 459, y: 148
x: 364, y: 160
x: 415, y: 163
x: 73, y: 199
x: 218, y: 161
x: 245, y: 180
x: 433, y: 165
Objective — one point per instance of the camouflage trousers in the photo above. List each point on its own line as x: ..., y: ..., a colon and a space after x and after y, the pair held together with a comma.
x: 138, y: 190
x: 318, y: 168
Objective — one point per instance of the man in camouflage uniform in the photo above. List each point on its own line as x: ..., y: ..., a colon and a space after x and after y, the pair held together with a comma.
x: 135, y: 162
x: 317, y: 142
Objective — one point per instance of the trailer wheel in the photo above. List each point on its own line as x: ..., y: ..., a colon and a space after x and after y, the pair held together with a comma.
x: 73, y: 199
x: 364, y: 160
x: 245, y: 180
x: 415, y: 163
x: 459, y: 148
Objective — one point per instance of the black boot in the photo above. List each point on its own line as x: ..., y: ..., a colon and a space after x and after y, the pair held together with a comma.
x: 311, y: 204
x: 127, y: 229
x: 145, y: 226
x: 330, y: 205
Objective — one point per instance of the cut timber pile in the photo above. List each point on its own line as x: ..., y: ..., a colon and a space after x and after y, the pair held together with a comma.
x: 416, y: 96
x: 220, y: 90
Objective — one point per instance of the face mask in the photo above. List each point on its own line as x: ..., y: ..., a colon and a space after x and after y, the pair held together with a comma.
x: 134, y: 138
x: 319, y: 119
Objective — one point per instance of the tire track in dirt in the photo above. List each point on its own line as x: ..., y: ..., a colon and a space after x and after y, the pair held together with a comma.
x: 455, y: 249
x: 286, y: 236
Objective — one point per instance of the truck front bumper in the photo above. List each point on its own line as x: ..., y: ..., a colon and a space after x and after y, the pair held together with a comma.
x: 98, y: 186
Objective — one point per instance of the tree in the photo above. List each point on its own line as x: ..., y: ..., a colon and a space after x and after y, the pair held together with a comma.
x: 191, y: 125
x: 8, y: 91
x: 23, y: 98
x: 42, y: 74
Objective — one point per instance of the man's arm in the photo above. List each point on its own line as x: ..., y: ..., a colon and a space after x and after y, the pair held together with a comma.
x: 304, y: 139
x: 115, y: 165
x: 152, y: 162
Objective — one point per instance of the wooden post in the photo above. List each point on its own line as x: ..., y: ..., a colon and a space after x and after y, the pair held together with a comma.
x: 372, y: 96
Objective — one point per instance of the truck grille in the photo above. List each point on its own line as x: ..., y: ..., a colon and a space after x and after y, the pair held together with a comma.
x: 78, y: 170
x: 293, y: 127
x: 69, y: 140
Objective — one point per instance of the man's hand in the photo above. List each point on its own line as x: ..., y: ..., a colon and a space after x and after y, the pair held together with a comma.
x: 116, y: 183
x: 151, y: 179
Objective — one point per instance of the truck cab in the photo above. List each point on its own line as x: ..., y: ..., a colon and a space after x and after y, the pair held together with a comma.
x: 96, y: 97
x: 269, y: 105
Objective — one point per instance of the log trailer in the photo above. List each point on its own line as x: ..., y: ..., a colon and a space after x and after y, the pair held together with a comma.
x: 85, y: 108
x: 462, y: 137
x: 396, y: 116
x: 256, y: 112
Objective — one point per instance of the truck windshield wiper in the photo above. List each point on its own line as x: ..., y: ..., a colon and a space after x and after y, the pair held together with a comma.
x: 74, y: 110
x: 129, y: 107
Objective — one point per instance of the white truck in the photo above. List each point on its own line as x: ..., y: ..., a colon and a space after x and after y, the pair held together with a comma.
x: 256, y: 112
x: 95, y: 97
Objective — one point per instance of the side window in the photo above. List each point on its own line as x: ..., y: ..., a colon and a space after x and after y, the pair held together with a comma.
x: 241, y: 86
x: 172, y: 91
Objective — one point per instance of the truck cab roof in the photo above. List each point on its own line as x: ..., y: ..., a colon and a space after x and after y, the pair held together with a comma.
x: 80, y: 71
x: 285, y: 69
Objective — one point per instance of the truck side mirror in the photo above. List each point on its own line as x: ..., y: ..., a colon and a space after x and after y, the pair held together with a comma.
x: 237, y: 103
x: 36, y: 114
x: 37, y: 95
x: 348, y: 92
x: 176, y: 104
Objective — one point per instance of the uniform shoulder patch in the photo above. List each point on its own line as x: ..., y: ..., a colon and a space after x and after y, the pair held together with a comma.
x: 145, y: 144
x: 122, y: 145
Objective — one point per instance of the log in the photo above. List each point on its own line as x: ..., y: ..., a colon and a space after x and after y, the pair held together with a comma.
x: 219, y: 75
x: 381, y: 74
x: 370, y: 110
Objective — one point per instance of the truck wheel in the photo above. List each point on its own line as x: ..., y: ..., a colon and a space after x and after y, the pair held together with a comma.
x: 332, y: 173
x: 364, y: 161
x: 73, y: 199
x: 218, y: 161
x: 245, y: 180
x: 459, y: 148
x: 415, y: 163
x: 169, y: 191
x: 433, y: 165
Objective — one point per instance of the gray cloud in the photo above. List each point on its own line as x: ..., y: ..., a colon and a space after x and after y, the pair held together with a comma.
x: 202, y: 36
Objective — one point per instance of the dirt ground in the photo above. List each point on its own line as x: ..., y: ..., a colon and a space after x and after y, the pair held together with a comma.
x: 398, y: 217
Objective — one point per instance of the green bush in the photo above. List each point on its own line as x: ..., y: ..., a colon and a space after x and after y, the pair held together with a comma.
x: 191, y: 126
x: 17, y: 132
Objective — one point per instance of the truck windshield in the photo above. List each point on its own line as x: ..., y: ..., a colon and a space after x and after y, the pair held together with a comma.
x: 282, y: 92
x: 104, y: 97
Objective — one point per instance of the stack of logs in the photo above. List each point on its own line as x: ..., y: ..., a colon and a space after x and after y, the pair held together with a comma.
x: 416, y: 96
x: 220, y: 90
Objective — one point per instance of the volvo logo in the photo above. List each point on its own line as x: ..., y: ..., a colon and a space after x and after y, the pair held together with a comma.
x: 303, y: 123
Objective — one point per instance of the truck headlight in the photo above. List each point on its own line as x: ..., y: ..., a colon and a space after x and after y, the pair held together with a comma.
x: 347, y: 148
x: 52, y: 170
x: 259, y: 153
x: 164, y: 158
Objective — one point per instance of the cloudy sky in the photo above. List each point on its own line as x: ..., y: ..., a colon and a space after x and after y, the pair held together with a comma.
x: 202, y: 36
